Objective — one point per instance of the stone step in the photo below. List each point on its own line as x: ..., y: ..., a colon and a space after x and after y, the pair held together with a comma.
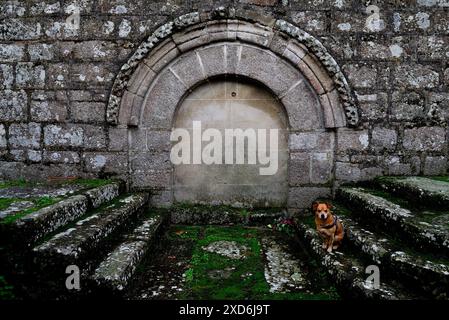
x: 81, y: 243
x: 115, y: 272
x: 425, y: 191
x: 223, y: 215
x: 411, y: 226
x: 348, y: 270
x: 431, y: 274
x: 33, y: 227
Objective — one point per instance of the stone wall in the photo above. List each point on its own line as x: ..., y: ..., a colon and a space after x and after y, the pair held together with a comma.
x: 56, y: 78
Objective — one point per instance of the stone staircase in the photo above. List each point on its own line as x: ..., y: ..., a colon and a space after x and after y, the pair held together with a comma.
x: 103, y: 231
x: 400, y: 225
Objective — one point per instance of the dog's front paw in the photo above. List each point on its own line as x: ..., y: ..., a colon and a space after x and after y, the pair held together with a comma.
x: 324, y: 246
x: 329, y: 249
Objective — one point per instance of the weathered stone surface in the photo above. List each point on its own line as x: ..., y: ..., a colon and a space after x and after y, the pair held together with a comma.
x: 384, y: 138
x: 25, y: 135
x: 41, y: 52
x: 361, y: 75
x: 347, y: 171
x: 118, y: 139
x: 299, y: 165
x: 228, y: 249
x: 68, y: 157
x: 88, y: 112
x: 3, y: 141
x: 6, y: 76
x: 58, y: 75
x: 103, y: 194
x: 120, y: 265
x: 435, y: 166
x: 13, y: 105
x: 12, y: 52
x: 425, y: 138
x: 398, y: 70
x: 63, y: 135
x: 431, y: 192
x: 392, y: 49
x: 18, y: 29
x: 312, y: 141
x: 439, y: 107
x: 302, y: 197
x: 373, y: 106
x: 37, y: 225
x: 429, y: 275
x: 416, y: 76
x: 407, y: 106
x: 94, y: 137
x: 410, y: 226
x: 352, y: 140
x: 283, y: 271
x: 76, y: 244
x: 106, y: 162
x: 91, y: 74
x: 30, y: 75
x: 15, y: 207
x: 46, y: 111
x: 346, y: 271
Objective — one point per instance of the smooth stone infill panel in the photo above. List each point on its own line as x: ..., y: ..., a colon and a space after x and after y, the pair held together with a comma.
x: 225, y: 105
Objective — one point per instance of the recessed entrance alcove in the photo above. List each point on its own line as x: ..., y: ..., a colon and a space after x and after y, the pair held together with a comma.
x: 227, y: 105
x: 232, y: 74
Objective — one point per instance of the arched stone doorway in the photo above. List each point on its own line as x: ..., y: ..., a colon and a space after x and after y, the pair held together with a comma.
x: 228, y: 104
x: 180, y: 56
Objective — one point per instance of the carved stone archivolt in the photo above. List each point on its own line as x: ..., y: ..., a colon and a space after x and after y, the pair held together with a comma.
x: 197, y: 46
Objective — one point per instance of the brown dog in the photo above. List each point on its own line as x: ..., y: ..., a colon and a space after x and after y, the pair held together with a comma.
x: 328, y: 226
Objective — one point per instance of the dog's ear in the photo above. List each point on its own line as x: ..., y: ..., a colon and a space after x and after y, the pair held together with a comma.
x: 314, y: 206
x: 329, y: 205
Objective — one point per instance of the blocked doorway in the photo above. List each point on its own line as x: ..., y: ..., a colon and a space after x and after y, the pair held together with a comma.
x: 254, y: 118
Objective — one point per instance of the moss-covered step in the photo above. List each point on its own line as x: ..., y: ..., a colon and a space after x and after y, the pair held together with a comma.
x: 423, y: 271
x: 25, y: 229
x: 229, y: 262
x: 348, y: 270
x: 115, y: 272
x: 82, y: 243
x: 433, y: 192
x: 411, y: 226
x: 198, y: 214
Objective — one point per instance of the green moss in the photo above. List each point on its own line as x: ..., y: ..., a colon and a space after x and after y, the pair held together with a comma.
x: 6, y: 202
x: 200, y: 208
x: 308, y: 221
x: 91, y: 183
x: 15, y: 183
x: 22, y: 183
x: 6, y: 290
x: 244, y: 278
x: 440, y: 178
x: 185, y: 232
x: 39, y: 203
